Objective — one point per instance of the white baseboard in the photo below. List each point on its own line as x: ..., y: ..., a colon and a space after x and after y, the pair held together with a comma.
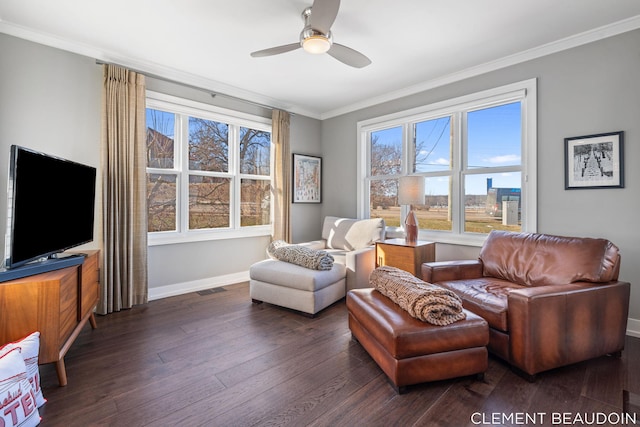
x: 197, y: 285
x: 633, y: 327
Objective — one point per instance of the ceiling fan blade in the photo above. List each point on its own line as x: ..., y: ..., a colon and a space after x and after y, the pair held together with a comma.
x: 275, y: 50
x: 348, y: 56
x: 323, y: 13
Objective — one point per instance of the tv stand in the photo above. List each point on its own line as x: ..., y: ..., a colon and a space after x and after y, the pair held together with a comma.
x: 49, y: 264
x: 56, y: 303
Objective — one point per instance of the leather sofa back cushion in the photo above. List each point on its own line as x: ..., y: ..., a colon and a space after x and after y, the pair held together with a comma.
x: 540, y: 259
x: 351, y: 234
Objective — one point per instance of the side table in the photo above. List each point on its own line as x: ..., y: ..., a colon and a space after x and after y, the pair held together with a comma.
x: 406, y: 256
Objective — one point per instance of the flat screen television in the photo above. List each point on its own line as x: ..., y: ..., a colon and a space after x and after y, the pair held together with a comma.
x: 51, y: 204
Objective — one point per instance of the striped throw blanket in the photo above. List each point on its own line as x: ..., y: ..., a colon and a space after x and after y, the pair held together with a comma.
x: 422, y: 300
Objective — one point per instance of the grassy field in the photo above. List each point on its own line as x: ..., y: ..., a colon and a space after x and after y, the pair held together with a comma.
x: 477, y: 221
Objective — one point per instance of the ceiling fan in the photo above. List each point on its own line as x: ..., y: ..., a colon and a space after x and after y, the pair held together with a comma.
x: 316, y: 36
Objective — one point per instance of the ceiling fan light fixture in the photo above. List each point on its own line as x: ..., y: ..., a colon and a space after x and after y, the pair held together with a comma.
x: 316, y: 44
x: 316, y: 37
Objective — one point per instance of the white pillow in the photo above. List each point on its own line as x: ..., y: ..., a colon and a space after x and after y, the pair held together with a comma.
x: 29, y: 348
x: 17, y: 398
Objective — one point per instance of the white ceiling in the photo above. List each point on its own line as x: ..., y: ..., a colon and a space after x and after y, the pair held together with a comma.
x: 413, y: 44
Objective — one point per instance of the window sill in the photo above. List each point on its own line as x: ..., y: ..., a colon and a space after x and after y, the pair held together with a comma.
x: 172, y: 238
x: 468, y: 239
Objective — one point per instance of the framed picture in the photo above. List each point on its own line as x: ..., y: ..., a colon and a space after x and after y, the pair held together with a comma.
x: 307, y: 179
x: 594, y: 161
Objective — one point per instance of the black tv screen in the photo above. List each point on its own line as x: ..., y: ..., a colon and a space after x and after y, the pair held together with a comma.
x: 51, y: 203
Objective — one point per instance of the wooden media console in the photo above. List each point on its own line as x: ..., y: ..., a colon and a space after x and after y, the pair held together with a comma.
x: 56, y: 303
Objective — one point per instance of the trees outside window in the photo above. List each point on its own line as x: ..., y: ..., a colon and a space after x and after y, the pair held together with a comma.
x: 208, y: 173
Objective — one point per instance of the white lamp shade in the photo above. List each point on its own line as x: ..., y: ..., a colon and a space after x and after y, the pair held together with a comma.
x: 411, y: 190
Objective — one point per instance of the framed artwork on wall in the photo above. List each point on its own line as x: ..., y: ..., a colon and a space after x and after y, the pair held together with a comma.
x: 307, y: 179
x: 594, y: 161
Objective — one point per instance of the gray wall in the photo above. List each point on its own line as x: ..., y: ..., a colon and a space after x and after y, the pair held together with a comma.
x: 307, y: 217
x: 50, y: 102
x: 192, y: 263
x: 582, y: 91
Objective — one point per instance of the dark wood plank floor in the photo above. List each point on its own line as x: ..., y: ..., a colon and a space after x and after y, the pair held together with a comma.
x: 218, y: 360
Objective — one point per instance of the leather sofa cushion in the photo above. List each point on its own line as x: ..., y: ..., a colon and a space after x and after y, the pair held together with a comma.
x: 404, y: 336
x: 540, y: 259
x: 486, y: 297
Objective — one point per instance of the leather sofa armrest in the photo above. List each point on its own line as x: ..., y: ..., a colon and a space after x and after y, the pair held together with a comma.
x: 434, y: 272
x: 554, y: 325
x: 360, y: 263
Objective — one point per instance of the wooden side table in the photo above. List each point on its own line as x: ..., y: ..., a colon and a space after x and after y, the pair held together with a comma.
x: 406, y: 256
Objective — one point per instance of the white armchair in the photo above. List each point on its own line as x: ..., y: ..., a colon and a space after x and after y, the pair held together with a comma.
x: 351, y: 243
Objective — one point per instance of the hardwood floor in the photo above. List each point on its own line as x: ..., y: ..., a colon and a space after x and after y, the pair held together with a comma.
x: 218, y: 360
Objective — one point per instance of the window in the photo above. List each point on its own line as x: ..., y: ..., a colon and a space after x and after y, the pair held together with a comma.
x: 476, y: 153
x: 208, y: 172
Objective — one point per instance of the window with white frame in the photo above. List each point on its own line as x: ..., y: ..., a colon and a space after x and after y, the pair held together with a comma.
x: 208, y: 171
x: 477, y: 154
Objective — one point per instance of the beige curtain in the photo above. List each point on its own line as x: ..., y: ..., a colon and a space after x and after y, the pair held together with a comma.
x: 124, y: 269
x: 281, y: 176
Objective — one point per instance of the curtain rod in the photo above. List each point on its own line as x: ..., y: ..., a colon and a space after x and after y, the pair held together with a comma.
x: 213, y: 94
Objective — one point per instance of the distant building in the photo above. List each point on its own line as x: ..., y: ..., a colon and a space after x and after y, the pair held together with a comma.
x: 159, y: 149
x: 495, y: 197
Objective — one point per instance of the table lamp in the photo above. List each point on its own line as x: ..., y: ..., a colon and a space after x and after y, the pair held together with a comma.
x: 411, y: 192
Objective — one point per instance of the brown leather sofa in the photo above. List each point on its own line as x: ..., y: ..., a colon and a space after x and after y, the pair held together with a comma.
x: 549, y: 300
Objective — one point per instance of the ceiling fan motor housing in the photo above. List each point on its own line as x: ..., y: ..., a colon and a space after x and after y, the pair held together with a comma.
x: 314, y: 41
x: 311, y: 39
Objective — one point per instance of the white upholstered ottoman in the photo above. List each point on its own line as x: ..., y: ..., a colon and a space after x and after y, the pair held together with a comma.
x: 295, y: 287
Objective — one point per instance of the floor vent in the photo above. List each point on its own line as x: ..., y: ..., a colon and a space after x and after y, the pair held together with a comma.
x: 211, y: 291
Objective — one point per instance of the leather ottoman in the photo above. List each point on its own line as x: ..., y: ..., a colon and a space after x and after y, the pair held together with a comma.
x: 411, y: 351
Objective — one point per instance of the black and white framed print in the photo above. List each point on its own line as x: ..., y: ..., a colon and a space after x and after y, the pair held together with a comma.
x: 594, y: 161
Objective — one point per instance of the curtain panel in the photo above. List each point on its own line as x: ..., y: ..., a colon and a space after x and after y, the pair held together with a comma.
x: 281, y: 176
x: 124, y: 269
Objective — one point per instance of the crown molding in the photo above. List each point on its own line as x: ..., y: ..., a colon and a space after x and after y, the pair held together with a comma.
x: 590, y: 36
x: 213, y: 86
x: 151, y: 69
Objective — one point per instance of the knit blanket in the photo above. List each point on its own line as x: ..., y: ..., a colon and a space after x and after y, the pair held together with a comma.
x: 422, y: 300
x: 300, y: 255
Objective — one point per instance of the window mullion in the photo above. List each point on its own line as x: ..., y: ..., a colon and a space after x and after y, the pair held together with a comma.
x: 457, y: 179
x: 183, y: 175
x: 408, y: 138
x: 408, y: 150
x: 234, y: 171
